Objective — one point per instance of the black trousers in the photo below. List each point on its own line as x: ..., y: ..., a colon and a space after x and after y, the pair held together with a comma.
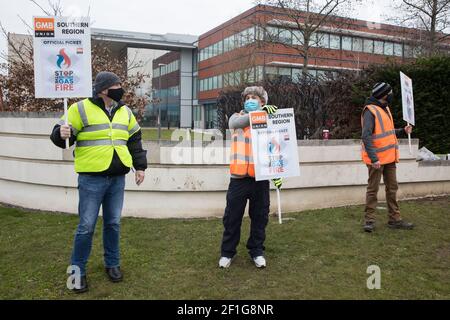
x: 257, y: 193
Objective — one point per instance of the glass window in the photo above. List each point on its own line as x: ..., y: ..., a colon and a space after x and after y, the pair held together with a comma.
x: 285, y: 36
x: 225, y: 45
x: 312, y: 72
x: 388, y: 48
x: 272, y: 34
x: 296, y: 75
x: 249, y: 75
x: 313, y: 40
x: 398, y: 49
x: 210, y: 51
x: 368, y: 46
x: 297, y: 37
x: 320, y: 74
x: 251, y: 34
x: 335, y: 42
x: 346, y: 43
x: 357, y: 44
x: 210, y: 83
x: 323, y: 40
x: 284, y: 71
x: 242, y: 38
x: 226, y: 80
x: 271, y: 70
x: 237, y: 78
x: 259, y: 33
x: 236, y: 41
x: 259, y: 73
x: 408, y: 51
x: 219, y: 82
x: 232, y: 79
x: 378, y: 47
x: 214, y: 83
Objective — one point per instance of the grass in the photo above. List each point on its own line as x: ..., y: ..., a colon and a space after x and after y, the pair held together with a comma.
x: 166, y: 134
x: 152, y: 134
x: 320, y: 254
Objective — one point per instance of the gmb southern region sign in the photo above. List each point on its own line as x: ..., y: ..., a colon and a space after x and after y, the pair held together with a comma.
x: 274, y: 143
x: 62, y: 57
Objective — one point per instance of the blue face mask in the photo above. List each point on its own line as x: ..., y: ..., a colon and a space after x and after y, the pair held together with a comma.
x: 251, y: 105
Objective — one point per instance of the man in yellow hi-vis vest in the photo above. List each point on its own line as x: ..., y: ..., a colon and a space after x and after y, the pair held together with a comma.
x: 108, y: 144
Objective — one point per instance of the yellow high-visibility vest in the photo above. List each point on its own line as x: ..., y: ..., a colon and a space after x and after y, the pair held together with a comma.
x: 97, y: 137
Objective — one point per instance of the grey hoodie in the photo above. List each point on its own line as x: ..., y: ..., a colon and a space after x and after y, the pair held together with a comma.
x: 239, y: 121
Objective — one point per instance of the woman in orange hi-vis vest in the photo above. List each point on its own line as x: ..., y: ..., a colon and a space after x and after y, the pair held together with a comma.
x: 243, y: 185
x: 380, y: 153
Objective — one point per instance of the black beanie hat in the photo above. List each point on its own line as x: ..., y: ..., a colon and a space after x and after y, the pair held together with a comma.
x: 104, y: 80
x: 380, y: 90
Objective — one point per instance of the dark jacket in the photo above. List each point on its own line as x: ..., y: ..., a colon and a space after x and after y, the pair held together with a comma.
x: 134, y: 145
x: 369, y: 127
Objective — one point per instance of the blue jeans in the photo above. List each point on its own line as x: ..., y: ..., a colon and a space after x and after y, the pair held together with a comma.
x: 93, y: 192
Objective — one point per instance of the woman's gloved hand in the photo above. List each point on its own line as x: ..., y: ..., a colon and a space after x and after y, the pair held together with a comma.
x: 270, y: 109
x: 278, y: 182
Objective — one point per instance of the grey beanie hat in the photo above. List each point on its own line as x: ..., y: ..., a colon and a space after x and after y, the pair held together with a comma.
x: 104, y: 80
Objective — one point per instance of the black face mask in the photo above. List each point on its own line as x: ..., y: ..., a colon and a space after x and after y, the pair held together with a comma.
x: 116, y: 94
x: 389, y: 98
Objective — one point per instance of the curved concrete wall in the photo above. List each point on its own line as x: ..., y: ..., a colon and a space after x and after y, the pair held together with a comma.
x: 186, y: 180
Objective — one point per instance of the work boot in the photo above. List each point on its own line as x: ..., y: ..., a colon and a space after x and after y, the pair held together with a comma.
x: 83, y: 285
x: 400, y: 224
x: 114, y: 274
x: 369, y: 226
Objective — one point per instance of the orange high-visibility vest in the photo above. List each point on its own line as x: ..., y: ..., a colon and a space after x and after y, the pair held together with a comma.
x: 384, y: 139
x: 241, y: 160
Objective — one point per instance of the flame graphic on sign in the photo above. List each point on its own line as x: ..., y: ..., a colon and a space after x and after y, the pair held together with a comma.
x: 63, y: 57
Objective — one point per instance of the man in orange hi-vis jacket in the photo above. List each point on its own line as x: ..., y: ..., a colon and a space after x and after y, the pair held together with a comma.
x: 243, y: 185
x: 380, y: 153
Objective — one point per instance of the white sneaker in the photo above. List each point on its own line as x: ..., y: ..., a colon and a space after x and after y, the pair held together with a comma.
x: 225, y: 262
x: 260, y: 261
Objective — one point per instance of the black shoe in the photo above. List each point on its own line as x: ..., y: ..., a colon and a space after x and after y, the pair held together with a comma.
x: 83, y: 285
x: 400, y: 225
x: 369, y: 226
x: 114, y: 274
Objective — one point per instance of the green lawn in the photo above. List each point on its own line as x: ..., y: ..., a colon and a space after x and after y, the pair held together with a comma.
x: 166, y: 134
x: 319, y: 254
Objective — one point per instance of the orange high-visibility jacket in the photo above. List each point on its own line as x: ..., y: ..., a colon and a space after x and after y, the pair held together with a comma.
x: 384, y: 139
x: 241, y: 160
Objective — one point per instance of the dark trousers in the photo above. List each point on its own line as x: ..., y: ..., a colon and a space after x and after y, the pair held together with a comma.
x: 388, y: 171
x: 257, y: 193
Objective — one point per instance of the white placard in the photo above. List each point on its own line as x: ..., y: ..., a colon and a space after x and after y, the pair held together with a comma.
x: 407, y: 99
x: 62, y: 57
x: 274, y: 143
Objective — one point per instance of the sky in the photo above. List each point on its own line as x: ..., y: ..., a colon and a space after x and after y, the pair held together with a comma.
x: 155, y: 16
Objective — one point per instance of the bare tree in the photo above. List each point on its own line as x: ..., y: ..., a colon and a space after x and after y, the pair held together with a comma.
x: 17, y: 75
x: 303, y: 20
x: 432, y: 17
